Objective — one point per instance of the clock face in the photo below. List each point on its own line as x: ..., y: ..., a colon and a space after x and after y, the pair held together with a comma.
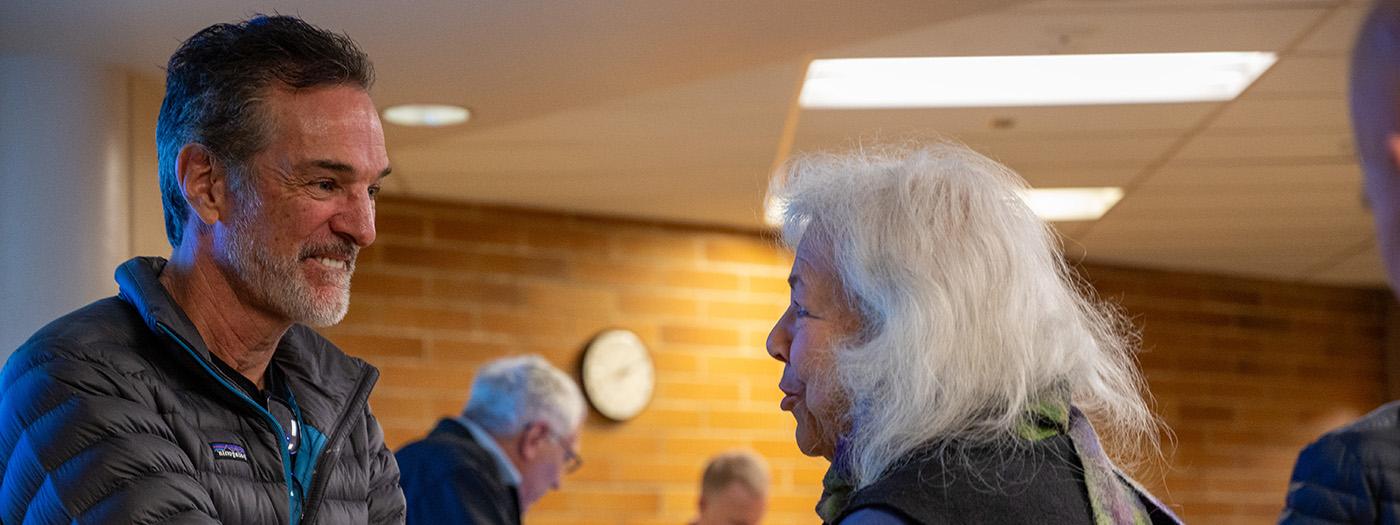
x: 618, y: 374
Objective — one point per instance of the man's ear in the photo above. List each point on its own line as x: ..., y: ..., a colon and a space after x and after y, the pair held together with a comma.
x: 532, y: 440
x: 203, y: 182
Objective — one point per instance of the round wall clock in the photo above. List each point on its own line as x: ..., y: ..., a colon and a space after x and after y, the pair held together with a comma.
x: 618, y: 375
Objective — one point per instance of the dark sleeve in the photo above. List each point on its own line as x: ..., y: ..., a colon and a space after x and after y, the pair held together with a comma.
x: 81, y: 441
x: 438, y: 493
x: 874, y: 516
x: 1329, y: 486
x: 386, y: 502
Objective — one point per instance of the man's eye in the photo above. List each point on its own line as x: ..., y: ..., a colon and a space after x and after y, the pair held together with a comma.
x: 325, y: 185
x: 373, y: 191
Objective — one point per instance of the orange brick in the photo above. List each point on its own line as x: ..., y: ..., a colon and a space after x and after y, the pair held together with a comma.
x: 399, y: 316
x: 466, y: 353
x: 765, y: 284
x: 478, y: 232
x: 612, y: 273
x: 475, y: 291
x: 648, y: 305
x: 669, y: 418
x: 576, y: 242
x: 765, y: 311
x: 695, y: 335
x: 424, y: 378
x: 400, y: 225
x: 537, y: 266
x: 528, y: 326
x: 759, y: 365
x: 701, y: 280
x: 655, y: 245
x: 385, y: 285
x: 674, y: 362
x: 773, y: 419
x: 746, y: 250
x: 383, y: 346
x: 699, y: 390
x: 637, y: 471
x: 557, y: 299
x: 456, y: 260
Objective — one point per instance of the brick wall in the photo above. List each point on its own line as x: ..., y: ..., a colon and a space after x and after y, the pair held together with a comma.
x: 1245, y: 372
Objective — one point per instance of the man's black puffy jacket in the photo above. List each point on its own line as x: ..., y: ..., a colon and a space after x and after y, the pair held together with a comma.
x: 116, y: 414
x: 1349, y: 475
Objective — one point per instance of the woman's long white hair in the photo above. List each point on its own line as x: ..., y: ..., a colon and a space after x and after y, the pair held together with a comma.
x: 969, y: 315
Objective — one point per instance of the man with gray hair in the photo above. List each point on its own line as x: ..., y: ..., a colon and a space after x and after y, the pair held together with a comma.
x: 512, y: 444
x: 199, y: 394
x: 733, y: 490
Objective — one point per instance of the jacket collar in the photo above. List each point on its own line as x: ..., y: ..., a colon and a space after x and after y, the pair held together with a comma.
x: 508, y: 472
x: 316, y: 370
x: 138, y: 283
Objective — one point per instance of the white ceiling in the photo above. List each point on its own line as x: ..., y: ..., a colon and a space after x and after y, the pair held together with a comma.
x: 677, y: 111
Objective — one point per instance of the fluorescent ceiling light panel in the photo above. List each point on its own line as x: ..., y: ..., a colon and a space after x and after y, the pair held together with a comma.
x: 1050, y: 204
x: 1071, y: 204
x: 430, y: 115
x: 1038, y: 80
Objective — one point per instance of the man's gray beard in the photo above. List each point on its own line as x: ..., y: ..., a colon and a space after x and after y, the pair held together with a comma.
x: 277, y: 283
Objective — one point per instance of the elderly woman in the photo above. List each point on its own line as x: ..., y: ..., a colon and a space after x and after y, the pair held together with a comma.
x: 938, y: 354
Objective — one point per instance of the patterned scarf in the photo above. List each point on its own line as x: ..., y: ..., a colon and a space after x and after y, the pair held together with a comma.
x: 1114, y: 498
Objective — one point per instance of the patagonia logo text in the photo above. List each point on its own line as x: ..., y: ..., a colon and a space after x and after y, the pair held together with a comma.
x: 229, y: 451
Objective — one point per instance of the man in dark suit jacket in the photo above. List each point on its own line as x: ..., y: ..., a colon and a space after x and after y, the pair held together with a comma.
x: 512, y: 444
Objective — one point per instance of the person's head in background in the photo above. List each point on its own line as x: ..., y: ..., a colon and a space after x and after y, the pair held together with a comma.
x: 733, y: 490
x: 533, y: 411
x: 1375, y: 116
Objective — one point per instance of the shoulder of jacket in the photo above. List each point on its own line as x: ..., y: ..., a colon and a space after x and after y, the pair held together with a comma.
x: 102, y: 334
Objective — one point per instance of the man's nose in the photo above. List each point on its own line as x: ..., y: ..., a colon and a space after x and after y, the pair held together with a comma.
x: 356, y: 220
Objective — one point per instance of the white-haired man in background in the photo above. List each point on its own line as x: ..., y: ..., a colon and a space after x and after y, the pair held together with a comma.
x: 512, y: 444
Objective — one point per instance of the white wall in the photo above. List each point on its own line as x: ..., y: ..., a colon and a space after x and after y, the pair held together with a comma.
x: 72, y: 193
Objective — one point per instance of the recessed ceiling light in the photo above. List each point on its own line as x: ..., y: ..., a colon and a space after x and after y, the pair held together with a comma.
x: 1050, y: 204
x: 1036, y: 80
x: 431, y: 115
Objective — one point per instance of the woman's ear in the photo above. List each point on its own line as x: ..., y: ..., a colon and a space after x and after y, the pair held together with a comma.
x: 203, y: 182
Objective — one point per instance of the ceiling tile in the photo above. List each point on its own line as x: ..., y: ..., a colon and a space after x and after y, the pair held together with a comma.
x: 1303, y: 177
x: 1282, y: 146
x: 1337, y: 34
x: 1311, y: 76
x: 1312, y: 114
x: 1031, y: 30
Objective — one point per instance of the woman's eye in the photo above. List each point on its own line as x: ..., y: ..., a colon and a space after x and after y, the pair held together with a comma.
x: 799, y: 311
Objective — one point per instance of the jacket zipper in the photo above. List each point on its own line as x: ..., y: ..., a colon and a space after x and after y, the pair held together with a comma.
x: 311, y: 504
x: 281, y: 435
